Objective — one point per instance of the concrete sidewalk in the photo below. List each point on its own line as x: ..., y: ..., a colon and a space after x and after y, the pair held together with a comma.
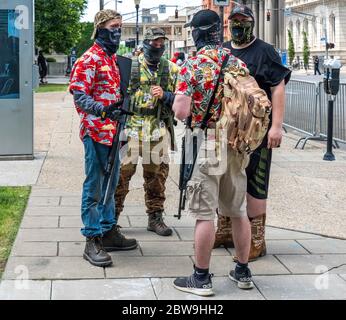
x: 307, y: 194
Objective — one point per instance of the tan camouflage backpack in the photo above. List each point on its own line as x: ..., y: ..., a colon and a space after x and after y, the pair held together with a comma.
x: 245, y: 110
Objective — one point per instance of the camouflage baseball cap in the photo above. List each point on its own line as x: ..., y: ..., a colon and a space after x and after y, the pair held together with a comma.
x: 154, y: 33
x: 102, y: 17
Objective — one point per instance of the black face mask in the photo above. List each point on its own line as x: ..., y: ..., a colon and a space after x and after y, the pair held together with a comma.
x: 110, y: 39
x: 152, y: 54
x: 242, y: 31
x: 210, y: 36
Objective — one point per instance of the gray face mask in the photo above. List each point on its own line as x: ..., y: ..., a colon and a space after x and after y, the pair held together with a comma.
x: 110, y: 38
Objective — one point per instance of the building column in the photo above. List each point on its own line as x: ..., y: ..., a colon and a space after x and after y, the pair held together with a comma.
x: 261, y: 20
x: 282, y: 25
x: 269, y: 25
x: 255, y: 12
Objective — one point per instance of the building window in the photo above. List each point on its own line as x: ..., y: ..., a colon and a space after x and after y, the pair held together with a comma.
x: 178, y: 31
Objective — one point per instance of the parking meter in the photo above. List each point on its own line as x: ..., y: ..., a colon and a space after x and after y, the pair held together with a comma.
x: 331, y: 82
x: 331, y: 79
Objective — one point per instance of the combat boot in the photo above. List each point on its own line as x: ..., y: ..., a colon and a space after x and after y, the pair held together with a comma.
x: 156, y: 224
x: 223, y: 235
x: 113, y: 240
x: 258, y: 245
x: 95, y: 253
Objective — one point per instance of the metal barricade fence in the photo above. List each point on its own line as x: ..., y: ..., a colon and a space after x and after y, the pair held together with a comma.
x: 339, y: 127
x: 306, y: 111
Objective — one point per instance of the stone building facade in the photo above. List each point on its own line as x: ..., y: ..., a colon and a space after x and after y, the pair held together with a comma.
x: 322, y: 20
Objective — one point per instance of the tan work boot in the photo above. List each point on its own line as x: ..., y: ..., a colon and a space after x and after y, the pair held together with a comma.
x: 258, y: 245
x: 157, y: 225
x: 223, y: 235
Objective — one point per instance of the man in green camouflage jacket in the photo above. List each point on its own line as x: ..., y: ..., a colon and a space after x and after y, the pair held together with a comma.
x: 150, y: 130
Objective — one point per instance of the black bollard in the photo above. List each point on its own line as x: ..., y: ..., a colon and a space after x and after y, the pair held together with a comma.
x: 329, y: 156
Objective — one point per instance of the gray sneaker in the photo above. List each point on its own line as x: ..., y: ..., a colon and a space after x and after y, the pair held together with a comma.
x: 192, y: 285
x: 243, y: 279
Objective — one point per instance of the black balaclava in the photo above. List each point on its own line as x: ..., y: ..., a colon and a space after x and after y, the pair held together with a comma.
x: 152, y: 54
x: 210, y: 36
x: 109, y: 39
x: 242, y: 31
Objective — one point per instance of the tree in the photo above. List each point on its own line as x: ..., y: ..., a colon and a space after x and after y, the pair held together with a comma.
x: 306, y: 51
x: 85, y: 41
x: 57, y: 24
x: 291, y: 51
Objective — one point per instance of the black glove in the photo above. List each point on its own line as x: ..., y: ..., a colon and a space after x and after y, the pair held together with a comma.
x: 114, y: 113
x: 106, y: 112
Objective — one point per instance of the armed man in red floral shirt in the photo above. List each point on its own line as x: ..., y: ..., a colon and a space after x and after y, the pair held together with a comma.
x: 95, y: 85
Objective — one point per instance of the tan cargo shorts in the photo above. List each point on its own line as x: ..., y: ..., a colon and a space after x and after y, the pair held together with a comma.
x: 218, y: 183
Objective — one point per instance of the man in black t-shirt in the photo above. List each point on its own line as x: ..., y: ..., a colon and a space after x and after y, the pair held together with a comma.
x: 266, y: 67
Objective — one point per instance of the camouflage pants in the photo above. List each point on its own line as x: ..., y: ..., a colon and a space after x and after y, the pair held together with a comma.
x: 155, y: 173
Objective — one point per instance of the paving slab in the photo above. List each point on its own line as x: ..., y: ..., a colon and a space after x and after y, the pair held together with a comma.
x: 52, y: 211
x: 223, y: 287
x: 142, y: 234
x: 221, y: 266
x: 120, y: 289
x: 282, y: 234
x: 69, y: 201
x: 186, y: 234
x: 310, y: 264
x: 76, y: 249
x: 142, y: 221
x: 343, y: 276
x: 35, y: 249
x: 284, y: 247
x: 177, y: 248
x: 324, y: 245
x: 76, y: 222
x: 43, y: 201
x: 34, y: 222
x: 39, y: 268
x: 301, y: 287
x: 50, y: 234
x: 29, y: 171
x: 149, y: 267
x: 25, y: 290
x: 49, y: 192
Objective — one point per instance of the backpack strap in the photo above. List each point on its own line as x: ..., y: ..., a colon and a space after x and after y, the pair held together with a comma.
x: 208, y: 114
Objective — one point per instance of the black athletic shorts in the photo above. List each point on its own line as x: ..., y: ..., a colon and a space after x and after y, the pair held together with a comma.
x: 258, y: 171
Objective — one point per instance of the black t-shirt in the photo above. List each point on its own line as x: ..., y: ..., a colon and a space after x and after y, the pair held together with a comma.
x: 263, y: 62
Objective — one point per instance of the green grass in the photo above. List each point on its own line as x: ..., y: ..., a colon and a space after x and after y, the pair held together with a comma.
x: 13, y: 202
x: 50, y: 87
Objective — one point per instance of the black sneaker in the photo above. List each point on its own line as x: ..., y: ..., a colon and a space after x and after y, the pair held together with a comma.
x: 243, y: 278
x: 193, y: 285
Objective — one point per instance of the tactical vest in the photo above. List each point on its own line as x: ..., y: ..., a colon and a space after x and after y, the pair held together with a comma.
x: 162, y: 80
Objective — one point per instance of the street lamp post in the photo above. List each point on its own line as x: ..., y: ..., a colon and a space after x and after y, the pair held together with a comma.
x: 137, y: 3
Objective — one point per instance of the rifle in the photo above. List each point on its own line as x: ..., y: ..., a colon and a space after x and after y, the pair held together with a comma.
x: 125, y: 65
x: 186, y: 169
